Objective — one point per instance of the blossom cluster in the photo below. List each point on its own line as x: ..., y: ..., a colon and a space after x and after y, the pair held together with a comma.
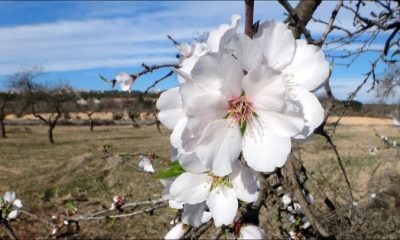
x: 240, y: 103
x: 9, y: 206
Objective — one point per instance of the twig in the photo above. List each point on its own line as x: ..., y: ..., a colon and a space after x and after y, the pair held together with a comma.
x: 8, y: 230
x: 47, y: 223
x: 158, y: 81
x: 330, y: 26
x: 298, y: 193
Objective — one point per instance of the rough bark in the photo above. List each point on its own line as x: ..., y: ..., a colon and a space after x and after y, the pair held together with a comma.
x: 304, y: 10
x: 2, y: 128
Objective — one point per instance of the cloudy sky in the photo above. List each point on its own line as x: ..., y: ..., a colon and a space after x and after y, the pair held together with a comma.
x: 75, y: 41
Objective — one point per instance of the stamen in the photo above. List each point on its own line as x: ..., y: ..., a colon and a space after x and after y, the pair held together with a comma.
x: 241, y: 111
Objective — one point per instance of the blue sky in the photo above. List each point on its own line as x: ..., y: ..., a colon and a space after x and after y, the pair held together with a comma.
x: 75, y: 41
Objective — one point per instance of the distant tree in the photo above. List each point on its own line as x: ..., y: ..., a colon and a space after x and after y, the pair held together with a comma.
x: 5, y: 99
x: 90, y: 107
x: 43, y: 98
x: 389, y: 84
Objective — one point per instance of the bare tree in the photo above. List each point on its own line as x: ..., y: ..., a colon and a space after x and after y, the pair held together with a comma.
x: 41, y: 98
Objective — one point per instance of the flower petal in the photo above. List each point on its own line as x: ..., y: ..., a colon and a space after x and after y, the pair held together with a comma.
x: 214, y: 37
x: 265, y: 88
x: 191, y: 163
x: 309, y: 67
x: 223, y: 205
x: 277, y: 43
x: 221, y: 72
x: 170, y: 105
x: 251, y: 232
x: 177, y: 232
x: 244, y: 182
x: 244, y: 49
x: 191, y: 188
x: 193, y: 214
x: 219, y: 146
x: 13, y: 214
x: 202, y: 106
x: 312, y: 110
x: 263, y: 150
x: 17, y: 203
x: 9, y: 197
x: 287, y: 123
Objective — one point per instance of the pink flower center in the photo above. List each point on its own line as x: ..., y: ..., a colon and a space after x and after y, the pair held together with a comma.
x: 241, y: 111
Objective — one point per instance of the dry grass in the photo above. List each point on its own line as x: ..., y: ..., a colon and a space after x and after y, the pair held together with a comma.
x: 44, y: 175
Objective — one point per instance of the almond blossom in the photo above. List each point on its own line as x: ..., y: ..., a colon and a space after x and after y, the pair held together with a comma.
x: 125, y: 81
x: 177, y: 232
x: 145, y: 164
x: 247, y: 231
x: 10, y: 205
x: 220, y: 194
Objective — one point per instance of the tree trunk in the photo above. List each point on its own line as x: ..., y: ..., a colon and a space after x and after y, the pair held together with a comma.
x: 50, y: 134
x: 2, y: 129
x: 91, y: 124
x: 135, y: 124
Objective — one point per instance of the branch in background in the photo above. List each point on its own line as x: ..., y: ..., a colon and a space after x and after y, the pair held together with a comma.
x: 330, y: 26
x: 173, y: 40
x: 298, y: 194
x: 158, y: 81
x: 8, y: 230
x: 299, y: 23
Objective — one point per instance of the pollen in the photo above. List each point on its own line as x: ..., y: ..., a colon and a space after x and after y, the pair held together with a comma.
x: 241, y: 111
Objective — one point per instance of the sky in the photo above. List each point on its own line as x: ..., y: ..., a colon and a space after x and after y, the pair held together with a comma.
x: 75, y: 41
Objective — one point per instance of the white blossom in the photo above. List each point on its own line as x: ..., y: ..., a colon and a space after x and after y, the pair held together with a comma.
x: 10, y: 200
x: 249, y: 231
x: 220, y: 194
x: 145, y: 164
x: 286, y: 200
x: 125, y: 81
x: 373, y: 151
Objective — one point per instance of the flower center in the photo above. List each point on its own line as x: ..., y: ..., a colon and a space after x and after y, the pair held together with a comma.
x: 241, y: 111
x: 216, y: 181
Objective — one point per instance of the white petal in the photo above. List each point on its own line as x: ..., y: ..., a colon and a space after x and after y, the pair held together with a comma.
x: 125, y: 81
x: 174, y: 204
x: 312, y: 110
x: 219, y: 146
x: 191, y: 188
x: 277, y: 43
x: 263, y: 150
x: 223, y: 205
x: 193, y: 213
x: 13, y: 214
x: 174, y: 153
x: 309, y: 67
x: 145, y: 164
x: 176, y: 135
x: 202, y: 106
x: 9, y: 197
x: 191, y: 163
x: 214, y: 37
x: 219, y: 72
x: 244, y: 182
x: 244, y: 49
x: 170, y: 105
x: 206, y: 217
x: 251, y: 232
x: 185, y: 50
x: 287, y: 123
x: 17, y: 203
x: 286, y: 200
x: 265, y: 88
x: 177, y: 232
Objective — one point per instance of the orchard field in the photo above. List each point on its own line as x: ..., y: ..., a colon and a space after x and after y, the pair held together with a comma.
x: 76, y: 168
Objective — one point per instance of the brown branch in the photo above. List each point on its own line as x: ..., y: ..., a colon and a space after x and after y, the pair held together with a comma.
x: 47, y: 223
x: 330, y: 26
x: 158, y: 81
x: 298, y: 194
x: 249, y: 13
x: 8, y: 230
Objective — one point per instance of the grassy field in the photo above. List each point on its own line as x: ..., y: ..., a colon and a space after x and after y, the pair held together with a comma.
x: 46, y: 176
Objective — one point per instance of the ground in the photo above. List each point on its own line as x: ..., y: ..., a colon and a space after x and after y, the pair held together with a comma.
x: 45, y: 176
